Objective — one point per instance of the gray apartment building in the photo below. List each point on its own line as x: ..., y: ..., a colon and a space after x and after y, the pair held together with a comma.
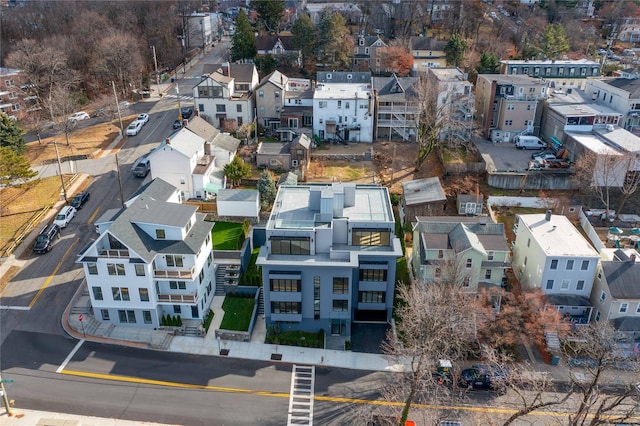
x: 329, y: 259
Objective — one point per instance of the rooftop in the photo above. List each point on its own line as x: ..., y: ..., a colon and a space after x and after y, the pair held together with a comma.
x: 342, y: 91
x: 583, y: 109
x: 593, y: 143
x: 422, y: 191
x: 551, y: 62
x: 557, y: 236
x: 513, y: 79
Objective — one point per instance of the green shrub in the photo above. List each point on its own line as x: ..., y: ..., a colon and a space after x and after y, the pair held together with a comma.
x: 208, y: 320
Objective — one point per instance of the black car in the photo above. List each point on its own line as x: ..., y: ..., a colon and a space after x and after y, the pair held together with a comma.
x: 45, y: 240
x: 177, y: 124
x: 187, y: 113
x: 484, y: 377
x: 79, y: 200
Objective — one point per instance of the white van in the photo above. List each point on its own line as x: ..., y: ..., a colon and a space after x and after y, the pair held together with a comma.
x: 64, y: 216
x: 529, y: 142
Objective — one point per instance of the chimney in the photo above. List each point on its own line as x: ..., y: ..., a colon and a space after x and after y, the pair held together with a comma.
x: 167, y: 141
x: 632, y: 258
x: 547, y: 216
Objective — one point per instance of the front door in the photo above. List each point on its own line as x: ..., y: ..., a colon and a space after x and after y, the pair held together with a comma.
x: 338, y: 327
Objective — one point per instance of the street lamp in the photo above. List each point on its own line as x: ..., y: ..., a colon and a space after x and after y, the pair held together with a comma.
x: 63, y: 192
x: 202, y: 30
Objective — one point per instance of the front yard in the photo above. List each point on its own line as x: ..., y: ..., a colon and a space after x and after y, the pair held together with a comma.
x: 237, y: 313
x: 227, y: 236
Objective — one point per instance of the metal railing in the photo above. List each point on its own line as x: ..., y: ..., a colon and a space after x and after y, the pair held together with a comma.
x: 177, y: 298
x: 176, y: 273
x: 118, y: 254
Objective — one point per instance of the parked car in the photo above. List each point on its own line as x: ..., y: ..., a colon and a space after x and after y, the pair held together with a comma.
x: 541, y: 153
x: 187, y: 113
x: 134, y: 128
x: 141, y: 168
x: 484, y: 377
x: 544, y: 156
x: 177, y: 124
x: 79, y: 200
x: 45, y: 239
x: 64, y: 216
x: 143, y: 118
x: 79, y: 116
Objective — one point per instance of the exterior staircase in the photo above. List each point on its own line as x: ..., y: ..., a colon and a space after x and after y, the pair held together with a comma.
x: 261, y: 302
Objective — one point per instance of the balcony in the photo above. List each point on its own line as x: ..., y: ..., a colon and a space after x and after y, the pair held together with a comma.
x: 175, y: 273
x: 398, y: 109
x: 116, y: 254
x: 177, y: 298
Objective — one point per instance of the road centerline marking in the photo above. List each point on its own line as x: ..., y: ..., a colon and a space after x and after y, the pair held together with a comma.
x: 71, y: 354
x: 53, y: 274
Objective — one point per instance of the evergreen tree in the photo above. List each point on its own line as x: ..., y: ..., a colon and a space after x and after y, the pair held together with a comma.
x: 488, y: 64
x: 236, y: 170
x: 334, y: 44
x: 304, y: 36
x: 243, y: 42
x: 454, y: 50
x: 554, y: 41
x: 269, y: 13
x: 11, y: 134
x: 14, y: 167
x: 267, y: 188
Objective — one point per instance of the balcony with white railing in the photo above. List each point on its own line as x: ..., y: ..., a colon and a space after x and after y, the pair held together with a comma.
x: 167, y: 274
x: 111, y: 253
x: 398, y: 109
x: 174, y: 298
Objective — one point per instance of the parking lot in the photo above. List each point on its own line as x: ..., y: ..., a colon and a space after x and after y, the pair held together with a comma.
x: 504, y: 156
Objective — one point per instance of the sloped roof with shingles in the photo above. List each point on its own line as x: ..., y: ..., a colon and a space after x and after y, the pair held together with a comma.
x: 623, y: 279
x: 394, y: 88
x: 268, y: 42
x: 460, y: 236
x: 302, y: 140
x: 186, y: 142
x: 630, y: 85
x: 202, y: 128
x: 226, y: 142
x: 426, y: 43
x: 276, y: 78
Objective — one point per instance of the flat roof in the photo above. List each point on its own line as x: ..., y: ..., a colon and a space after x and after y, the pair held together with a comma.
x: 593, y: 143
x: 558, y: 236
x: 342, y: 91
x: 550, y: 62
x: 620, y: 137
x: 448, y: 74
x: 583, y: 109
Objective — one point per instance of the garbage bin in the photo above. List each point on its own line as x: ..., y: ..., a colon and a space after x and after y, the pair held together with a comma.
x: 569, y: 90
x: 173, y: 79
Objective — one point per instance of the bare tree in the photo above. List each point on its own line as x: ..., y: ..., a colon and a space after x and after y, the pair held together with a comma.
x: 631, y: 180
x: 118, y: 58
x: 428, y: 125
x: 60, y: 105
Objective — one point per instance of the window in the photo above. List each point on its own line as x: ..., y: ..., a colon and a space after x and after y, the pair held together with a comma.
x: 490, y: 255
x: 340, y: 305
x: 316, y: 297
x: 282, y: 284
x: 146, y: 315
x: 565, y: 284
x: 261, y: 110
x: 221, y: 108
x: 346, y: 105
x: 340, y: 285
x: 115, y: 268
x: 92, y: 268
x: 144, y: 294
x: 603, y: 296
x: 487, y: 274
x: 554, y: 264
x: 466, y: 282
x: 177, y: 309
x: 286, y: 307
x: 177, y: 285
x: 585, y: 265
x: 529, y: 107
x: 511, y: 107
x: 440, y: 254
x: 580, y: 285
x: 160, y: 235
x: 276, y: 94
x: 638, y: 309
x: 9, y: 83
x: 97, y: 293
x: 339, y: 104
x: 525, y: 261
x: 322, y: 104
x: 624, y: 307
x: 597, y: 316
x: 372, y: 296
x: 371, y: 237
x: 569, y: 265
x: 120, y: 293
x: 127, y: 316
x: 508, y: 122
x: 437, y: 273
x: 139, y: 270
x: 469, y: 263
x: 261, y: 93
x: 549, y: 285
x: 239, y: 108
x: 529, y: 242
x: 174, y: 260
x: 287, y: 245
x: 105, y: 314
x: 373, y: 275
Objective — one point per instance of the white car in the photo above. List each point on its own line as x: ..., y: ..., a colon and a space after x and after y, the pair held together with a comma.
x: 143, y: 118
x: 134, y: 128
x: 64, y: 216
x: 79, y: 116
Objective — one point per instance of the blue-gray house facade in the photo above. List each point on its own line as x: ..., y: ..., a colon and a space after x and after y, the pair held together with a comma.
x: 329, y: 259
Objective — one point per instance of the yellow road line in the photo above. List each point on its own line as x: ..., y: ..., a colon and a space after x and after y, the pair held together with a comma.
x: 48, y: 280
x: 93, y: 216
x: 496, y: 410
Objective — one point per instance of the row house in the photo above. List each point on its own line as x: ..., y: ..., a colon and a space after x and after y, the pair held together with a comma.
x: 622, y: 94
x: 629, y: 31
x: 564, y: 74
x: 454, y: 102
x: 366, y: 57
x: 468, y: 251
x: 281, y: 48
x: 508, y: 105
x: 225, y: 97
x: 549, y: 253
x: 560, y: 118
x: 343, y: 107
x: 270, y: 99
x: 427, y: 52
x: 297, y: 112
x: 152, y: 258
x: 397, y: 104
x: 330, y: 257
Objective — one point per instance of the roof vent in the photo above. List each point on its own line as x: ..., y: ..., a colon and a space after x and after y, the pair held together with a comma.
x: 547, y: 216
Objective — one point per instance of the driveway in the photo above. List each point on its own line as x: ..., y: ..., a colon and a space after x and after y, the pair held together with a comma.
x: 367, y: 337
x: 505, y: 156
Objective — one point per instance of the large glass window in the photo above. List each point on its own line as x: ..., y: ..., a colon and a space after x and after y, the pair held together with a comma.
x: 97, y: 293
x: 371, y: 237
x: 286, y: 307
x: 340, y: 285
x: 120, y: 293
x: 144, y: 294
x: 115, y: 268
x: 373, y: 275
x: 174, y: 260
x: 281, y: 284
x: 127, y: 316
x: 288, y: 245
x: 139, y: 270
x: 92, y: 268
x: 147, y: 317
x: 372, y: 297
x: 340, y: 305
x: 177, y: 285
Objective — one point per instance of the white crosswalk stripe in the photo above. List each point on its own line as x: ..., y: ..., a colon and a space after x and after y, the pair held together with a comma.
x: 301, y: 396
x: 182, y: 97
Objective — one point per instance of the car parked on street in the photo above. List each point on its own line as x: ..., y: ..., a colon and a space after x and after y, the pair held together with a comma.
x: 79, y: 116
x: 177, y: 124
x: 64, y: 216
x: 46, y: 238
x: 187, y: 113
x: 484, y: 377
x: 79, y: 200
x: 134, y: 128
x: 143, y: 118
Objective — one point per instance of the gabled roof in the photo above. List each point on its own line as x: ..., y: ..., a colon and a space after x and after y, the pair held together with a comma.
x: 396, y: 88
x: 276, y: 78
x: 623, y: 278
x: 302, y: 140
x: 462, y: 239
x: 630, y: 85
x: 470, y: 198
x: 461, y: 235
x: 220, y: 78
x: 226, y: 142
x: 240, y: 72
x: 369, y: 40
x: 426, y: 43
x: 202, y: 128
x: 288, y: 178
x: 268, y: 42
x: 183, y: 141
x: 158, y: 189
x: 422, y: 191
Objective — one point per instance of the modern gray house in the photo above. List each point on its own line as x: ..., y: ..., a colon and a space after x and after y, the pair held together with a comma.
x: 330, y: 257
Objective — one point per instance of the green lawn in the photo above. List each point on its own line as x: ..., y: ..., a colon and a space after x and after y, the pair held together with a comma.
x: 237, y: 313
x: 226, y: 236
x: 297, y: 338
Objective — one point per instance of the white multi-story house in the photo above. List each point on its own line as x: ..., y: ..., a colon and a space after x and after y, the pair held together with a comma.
x: 192, y: 159
x: 466, y: 250
x: 225, y: 97
x: 330, y: 257
x: 622, y: 94
x: 397, y: 104
x: 343, y: 107
x: 152, y: 258
x: 455, y: 102
x: 550, y: 253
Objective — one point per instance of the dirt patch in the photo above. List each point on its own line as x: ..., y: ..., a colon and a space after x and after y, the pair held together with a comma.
x: 8, y: 276
x: 340, y: 171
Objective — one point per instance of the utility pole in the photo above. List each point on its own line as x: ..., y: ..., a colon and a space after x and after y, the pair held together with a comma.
x: 5, y: 398
x: 155, y: 63
x: 121, y: 198
x: 203, y: 41
x: 179, y: 108
x: 115, y: 95
x: 63, y: 192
